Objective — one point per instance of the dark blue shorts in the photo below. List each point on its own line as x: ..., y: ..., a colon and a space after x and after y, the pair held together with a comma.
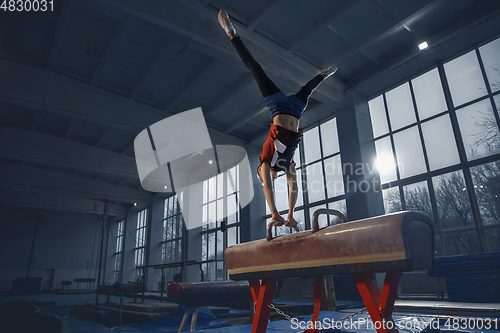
x: 279, y: 103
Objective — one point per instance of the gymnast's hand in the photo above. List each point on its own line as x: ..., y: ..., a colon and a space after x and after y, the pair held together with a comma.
x: 291, y: 222
x: 277, y: 217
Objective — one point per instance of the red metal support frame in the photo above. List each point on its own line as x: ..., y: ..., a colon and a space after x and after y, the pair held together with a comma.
x: 265, y: 292
x: 379, y: 304
x: 317, y: 304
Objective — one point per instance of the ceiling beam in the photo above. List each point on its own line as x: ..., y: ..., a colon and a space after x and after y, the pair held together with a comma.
x: 27, y: 178
x: 37, y: 90
x: 257, y: 16
x: 376, y: 35
x: 101, y: 137
x: 243, y: 121
x: 333, y: 89
x: 34, y: 147
x: 199, y: 22
x: 208, y: 65
x: 44, y: 200
x: 62, y: 24
x: 69, y: 129
x: 151, y: 70
x: 326, y: 21
x: 229, y: 95
x: 445, y: 35
x: 35, y: 120
x: 115, y: 39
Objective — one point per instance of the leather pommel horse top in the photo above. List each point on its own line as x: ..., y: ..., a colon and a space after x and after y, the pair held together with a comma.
x: 402, y: 241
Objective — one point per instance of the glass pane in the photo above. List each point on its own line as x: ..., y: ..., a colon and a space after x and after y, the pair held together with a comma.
x: 296, y: 157
x: 231, y: 236
x: 205, y: 217
x: 323, y: 218
x: 497, y: 103
x: 341, y: 207
x: 429, y: 94
x: 490, y: 54
x: 299, y: 217
x: 169, y: 252
x: 220, y: 245
x: 315, y: 186
x: 400, y: 107
x: 300, y: 199
x: 220, y: 185
x: 460, y: 243
x: 220, y: 270
x: 333, y: 174
x: 181, y: 225
x: 118, y: 245
x: 392, y: 200
x: 409, y: 153
x: 311, y: 145
x: 492, y: 236
x: 330, y: 137
x: 452, y: 201
x: 174, y: 205
x: 268, y: 210
x: 465, y: 79
x: 211, y: 271
x: 170, y: 221
x: 204, y: 244
x: 212, y: 211
x: 486, y: 180
x: 231, y: 209
x: 417, y: 198
x: 212, y: 189
x: 385, y: 163
x: 211, y: 245
x: 220, y: 210
x: 180, y: 200
x: 440, y: 143
x: 205, y: 191
x: 479, y: 130
x: 378, y: 116
x: 281, y: 193
x: 231, y: 181
x: 165, y: 209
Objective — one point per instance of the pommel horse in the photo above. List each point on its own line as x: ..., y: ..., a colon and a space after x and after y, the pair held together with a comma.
x: 393, y: 243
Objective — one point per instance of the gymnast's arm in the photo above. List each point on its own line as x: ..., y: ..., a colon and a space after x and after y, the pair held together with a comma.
x: 291, y: 178
x: 265, y: 173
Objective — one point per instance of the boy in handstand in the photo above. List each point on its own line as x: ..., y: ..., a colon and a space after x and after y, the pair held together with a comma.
x: 283, y: 140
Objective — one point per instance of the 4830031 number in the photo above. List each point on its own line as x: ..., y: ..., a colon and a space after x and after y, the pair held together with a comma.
x: 471, y: 323
x: 27, y: 5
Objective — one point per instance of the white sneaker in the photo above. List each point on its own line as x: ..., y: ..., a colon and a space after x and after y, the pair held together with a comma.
x: 328, y: 72
x: 225, y: 22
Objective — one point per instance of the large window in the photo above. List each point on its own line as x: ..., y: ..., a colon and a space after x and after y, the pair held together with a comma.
x: 140, y: 242
x: 438, y: 149
x: 173, y: 230
x: 319, y: 178
x: 119, y: 250
x: 221, y: 222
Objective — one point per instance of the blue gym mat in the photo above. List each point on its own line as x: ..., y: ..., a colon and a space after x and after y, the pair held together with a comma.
x: 171, y: 322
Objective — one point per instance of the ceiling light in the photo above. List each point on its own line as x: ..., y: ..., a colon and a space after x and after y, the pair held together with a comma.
x: 165, y: 187
x: 135, y: 203
x: 210, y: 162
x: 423, y: 45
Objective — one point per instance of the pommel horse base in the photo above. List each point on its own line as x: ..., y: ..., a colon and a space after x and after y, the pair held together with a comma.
x: 391, y: 243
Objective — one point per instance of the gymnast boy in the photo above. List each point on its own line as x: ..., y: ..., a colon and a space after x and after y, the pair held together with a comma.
x: 283, y: 140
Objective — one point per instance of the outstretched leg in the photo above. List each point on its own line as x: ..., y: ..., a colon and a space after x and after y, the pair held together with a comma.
x: 308, y: 88
x: 265, y: 84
